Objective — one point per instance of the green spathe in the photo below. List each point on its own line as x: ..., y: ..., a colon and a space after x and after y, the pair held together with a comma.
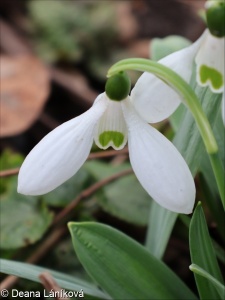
x: 116, y: 137
x: 211, y: 74
x: 215, y: 16
x: 118, y: 86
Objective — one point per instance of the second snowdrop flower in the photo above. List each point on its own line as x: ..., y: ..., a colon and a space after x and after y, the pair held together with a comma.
x: 208, y: 55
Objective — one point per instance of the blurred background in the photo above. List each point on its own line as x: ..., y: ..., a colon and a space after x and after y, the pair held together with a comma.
x: 55, y: 55
x: 54, y: 60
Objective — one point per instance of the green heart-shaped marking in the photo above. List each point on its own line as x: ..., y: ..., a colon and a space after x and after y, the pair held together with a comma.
x: 209, y: 74
x: 106, y: 137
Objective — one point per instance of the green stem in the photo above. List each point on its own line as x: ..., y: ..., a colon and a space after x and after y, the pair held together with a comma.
x: 178, y: 84
x: 189, y: 98
x: 219, y: 175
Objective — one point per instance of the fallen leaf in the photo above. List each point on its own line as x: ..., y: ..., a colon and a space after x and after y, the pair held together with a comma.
x: 24, y: 91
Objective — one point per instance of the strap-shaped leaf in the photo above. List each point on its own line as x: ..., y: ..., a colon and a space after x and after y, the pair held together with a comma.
x: 122, y: 267
x: 161, y: 222
x: 203, y: 255
x: 31, y: 272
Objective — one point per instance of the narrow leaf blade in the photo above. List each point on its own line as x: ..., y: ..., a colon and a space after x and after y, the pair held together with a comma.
x: 31, y: 272
x: 203, y: 254
x: 161, y: 222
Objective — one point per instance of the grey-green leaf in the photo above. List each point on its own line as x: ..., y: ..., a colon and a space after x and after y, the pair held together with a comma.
x: 31, y: 272
x: 203, y: 254
x: 161, y: 222
x: 122, y: 267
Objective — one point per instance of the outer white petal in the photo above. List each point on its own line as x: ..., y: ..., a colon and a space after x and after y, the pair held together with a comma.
x: 211, y: 54
x: 111, y: 127
x: 158, y: 165
x: 60, y: 154
x: 152, y: 98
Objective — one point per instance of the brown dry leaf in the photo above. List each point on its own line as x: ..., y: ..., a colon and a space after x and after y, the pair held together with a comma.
x: 24, y: 90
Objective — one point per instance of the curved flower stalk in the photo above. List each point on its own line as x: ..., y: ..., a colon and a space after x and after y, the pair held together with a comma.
x: 112, y: 121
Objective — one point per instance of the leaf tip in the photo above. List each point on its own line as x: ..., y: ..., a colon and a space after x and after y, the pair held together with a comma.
x: 73, y: 226
x: 191, y: 267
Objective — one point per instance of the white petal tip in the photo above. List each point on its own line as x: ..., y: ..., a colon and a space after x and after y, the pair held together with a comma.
x: 178, y: 207
x: 183, y: 202
x: 185, y: 210
x: 20, y: 190
x: 26, y: 189
x: 188, y: 211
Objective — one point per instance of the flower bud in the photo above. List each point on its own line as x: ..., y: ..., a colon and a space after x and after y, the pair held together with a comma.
x: 215, y: 15
x: 118, y: 86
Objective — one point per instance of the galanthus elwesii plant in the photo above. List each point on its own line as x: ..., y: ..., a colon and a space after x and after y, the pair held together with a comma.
x: 193, y: 76
x: 112, y: 121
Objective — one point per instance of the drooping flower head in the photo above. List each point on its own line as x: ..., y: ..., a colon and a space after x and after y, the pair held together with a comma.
x: 210, y: 56
x: 113, y: 121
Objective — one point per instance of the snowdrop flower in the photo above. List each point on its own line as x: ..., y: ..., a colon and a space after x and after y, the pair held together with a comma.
x: 113, y: 121
x: 208, y: 55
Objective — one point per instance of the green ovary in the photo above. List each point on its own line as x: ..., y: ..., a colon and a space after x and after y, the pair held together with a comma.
x: 116, y: 137
x: 210, y: 74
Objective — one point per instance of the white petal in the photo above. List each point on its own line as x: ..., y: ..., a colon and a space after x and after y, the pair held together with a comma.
x: 111, y: 129
x: 152, y: 98
x: 60, y: 154
x: 211, y: 57
x: 158, y: 165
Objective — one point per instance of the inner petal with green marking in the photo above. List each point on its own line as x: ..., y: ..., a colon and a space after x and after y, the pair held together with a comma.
x: 210, y: 75
x: 111, y: 129
x: 110, y: 138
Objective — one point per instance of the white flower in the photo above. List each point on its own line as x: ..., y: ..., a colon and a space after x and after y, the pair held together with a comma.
x: 157, y: 164
x: 208, y: 54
